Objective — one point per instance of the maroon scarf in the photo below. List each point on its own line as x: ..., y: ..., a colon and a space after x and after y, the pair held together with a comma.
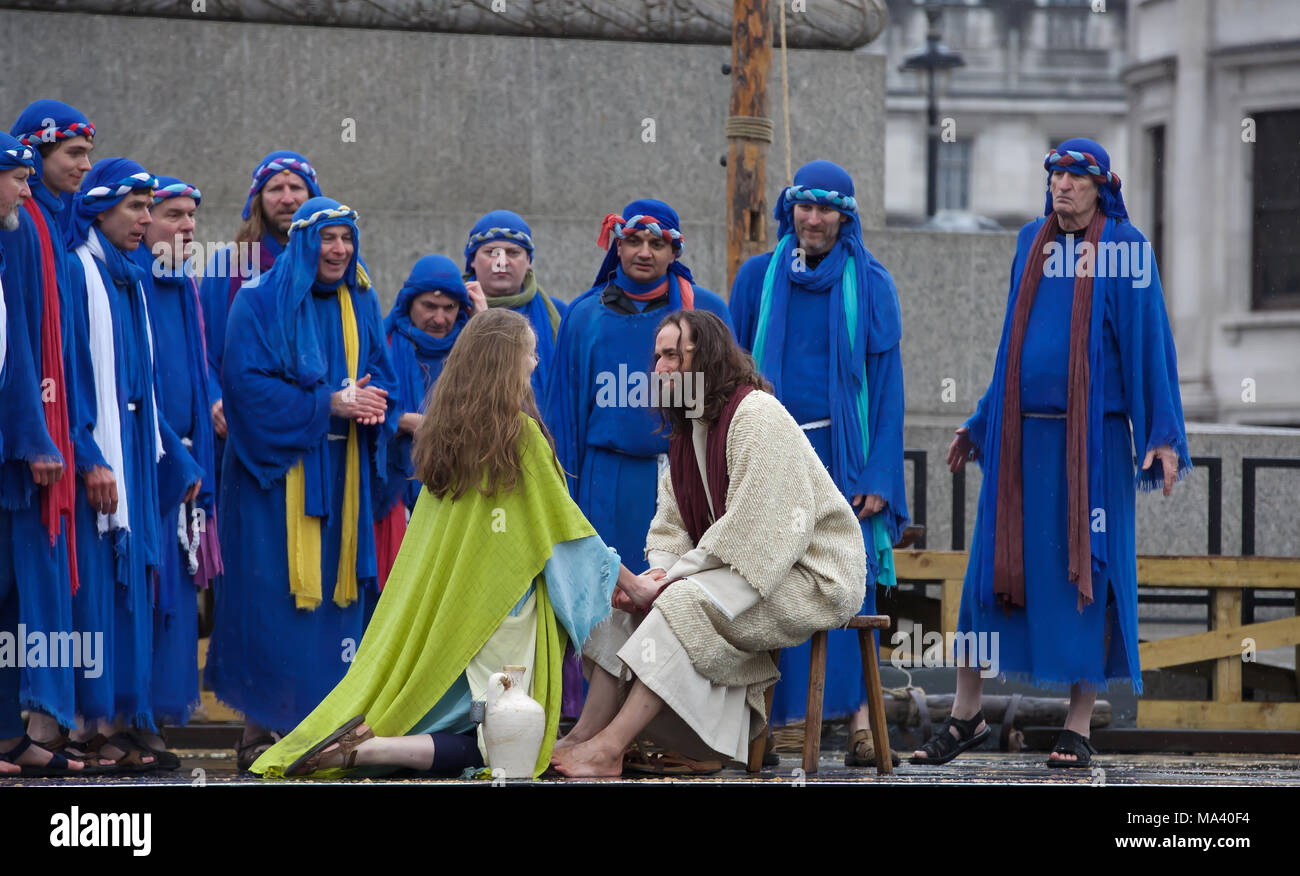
x: 56, y: 498
x: 692, y: 501
x: 1009, y: 537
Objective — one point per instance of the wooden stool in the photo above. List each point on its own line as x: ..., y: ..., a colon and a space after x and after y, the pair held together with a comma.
x: 812, y: 737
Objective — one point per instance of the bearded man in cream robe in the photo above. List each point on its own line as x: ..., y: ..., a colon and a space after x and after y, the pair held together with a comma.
x: 755, y: 549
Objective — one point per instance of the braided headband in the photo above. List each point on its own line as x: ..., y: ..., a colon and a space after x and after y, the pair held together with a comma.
x: 620, y: 227
x: 176, y: 190
x: 23, y: 156
x: 1061, y: 160
x: 341, y: 212
x: 271, y: 168
x: 499, y: 234
x: 804, y: 194
x: 142, y: 180
x: 53, y: 135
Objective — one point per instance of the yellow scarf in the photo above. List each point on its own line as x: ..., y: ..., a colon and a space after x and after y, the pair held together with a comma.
x: 304, y: 531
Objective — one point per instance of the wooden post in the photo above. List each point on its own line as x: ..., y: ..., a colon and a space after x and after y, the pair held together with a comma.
x: 748, y: 136
x: 1227, y: 670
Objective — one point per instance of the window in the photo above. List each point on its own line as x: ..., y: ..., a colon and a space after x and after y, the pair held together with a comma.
x: 1276, y: 212
x: 1067, y: 24
x: 954, y: 176
x: 1156, y: 142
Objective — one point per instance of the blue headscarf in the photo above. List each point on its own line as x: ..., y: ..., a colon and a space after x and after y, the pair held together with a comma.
x: 108, y: 182
x: 644, y: 214
x: 864, y: 319
x: 49, y: 121
x: 276, y: 162
x: 291, y: 282
x: 497, y: 225
x: 14, y: 154
x: 1085, y: 157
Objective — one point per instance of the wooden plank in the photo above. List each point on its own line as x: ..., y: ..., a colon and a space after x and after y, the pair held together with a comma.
x: 1225, y: 642
x: 875, y: 704
x: 812, y: 732
x: 747, y: 211
x: 1210, y: 571
x: 1218, y: 716
x: 1225, y: 614
x: 929, y: 565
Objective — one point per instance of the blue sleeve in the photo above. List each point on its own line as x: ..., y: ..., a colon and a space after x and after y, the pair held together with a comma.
x: 1150, y: 365
x: 379, y: 366
x: 273, y: 420
x: 25, y: 436
x: 746, y: 292
x: 79, y: 374
x: 214, y: 295
x: 712, y: 302
x: 566, y: 414
x: 177, y: 470
x: 580, y: 577
x: 883, y: 473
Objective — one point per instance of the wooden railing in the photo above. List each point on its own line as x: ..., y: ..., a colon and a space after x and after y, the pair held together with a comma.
x: 1229, y: 643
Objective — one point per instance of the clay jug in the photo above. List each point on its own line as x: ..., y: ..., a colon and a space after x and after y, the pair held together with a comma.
x: 513, y: 725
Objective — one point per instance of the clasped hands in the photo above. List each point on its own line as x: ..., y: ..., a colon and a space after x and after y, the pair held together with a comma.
x: 361, y: 402
x: 636, y: 593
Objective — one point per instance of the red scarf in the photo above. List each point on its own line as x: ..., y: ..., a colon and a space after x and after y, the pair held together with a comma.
x: 687, y: 290
x: 1009, y: 538
x: 692, y: 501
x: 57, y: 498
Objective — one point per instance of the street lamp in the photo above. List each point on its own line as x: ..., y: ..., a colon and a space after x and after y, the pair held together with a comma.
x: 934, y: 58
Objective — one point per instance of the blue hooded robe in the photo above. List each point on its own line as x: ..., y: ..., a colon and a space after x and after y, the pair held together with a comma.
x: 284, y: 359
x: 128, y: 555
x: 610, y: 445
x: 1134, y: 405
x: 816, y: 365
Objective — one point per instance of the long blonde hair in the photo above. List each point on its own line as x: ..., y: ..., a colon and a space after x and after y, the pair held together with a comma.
x: 470, y: 436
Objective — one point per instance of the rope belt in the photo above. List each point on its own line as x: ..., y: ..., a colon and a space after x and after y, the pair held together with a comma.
x: 1044, y: 416
x: 816, y: 424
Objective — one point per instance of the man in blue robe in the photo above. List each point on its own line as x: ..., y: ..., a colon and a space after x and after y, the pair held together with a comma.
x: 49, y: 403
x: 499, y: 261
x: 427, y: 317
x: 29, y: 461
x: 598, y: 403
x: 820, y: 315
x: 190, y: 556
x: 306, y: 378
x: 1086, y: 373
x: 120, y: 548
x: 282, y: 181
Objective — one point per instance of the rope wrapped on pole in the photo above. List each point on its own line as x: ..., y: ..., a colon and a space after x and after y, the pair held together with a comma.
x: 749, y: 128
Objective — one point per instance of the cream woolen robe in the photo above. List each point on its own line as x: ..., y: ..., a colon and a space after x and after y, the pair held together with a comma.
x: 785, y: 560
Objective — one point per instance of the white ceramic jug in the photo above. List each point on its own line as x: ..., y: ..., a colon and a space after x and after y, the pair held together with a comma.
x: 512, y: 726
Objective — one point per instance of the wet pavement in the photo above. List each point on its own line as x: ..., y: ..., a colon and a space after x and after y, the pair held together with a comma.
x: 972, y: 768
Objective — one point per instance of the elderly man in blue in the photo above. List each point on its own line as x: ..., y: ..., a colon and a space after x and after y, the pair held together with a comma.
x: 1085, y: 374
x: 820, y: 315
x: 190, y: 553
x: 120, y: 549
x: 20, y: 551
x: 599, y: 406
x: 307, y: 376
x: 499, y: 262
x: 282, y: 182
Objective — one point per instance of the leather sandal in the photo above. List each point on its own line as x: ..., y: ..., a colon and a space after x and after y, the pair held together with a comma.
x: 247, y: 753
x: 943, y: 746
x: 862, y: 751
x: 57, y: 765
x: 348, y: 737
x: 667, y: 763
x: 1073, y: 743
x: 133, y: 754
x: 162, y: 758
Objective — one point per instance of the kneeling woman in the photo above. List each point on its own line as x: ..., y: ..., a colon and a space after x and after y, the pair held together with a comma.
x: 498, y: 566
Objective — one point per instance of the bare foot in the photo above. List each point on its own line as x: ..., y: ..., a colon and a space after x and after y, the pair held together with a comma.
x: 588, y: 759
x: 33, y: 756
x: 570, y: 739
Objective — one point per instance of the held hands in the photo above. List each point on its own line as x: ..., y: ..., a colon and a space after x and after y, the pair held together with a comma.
x: 219, y: 418
x: 635, y: 593
x: 477, y: 297
x: 960, y: 450
x: 101, y: 489
x: 1169, y: 459
x: 871, y: 504
x: 361, y: 402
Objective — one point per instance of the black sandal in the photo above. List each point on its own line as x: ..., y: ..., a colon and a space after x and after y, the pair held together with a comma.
x: 247, y: 753
x: 943, y: 746
x: 57, y: 765
x: 1070, y: 742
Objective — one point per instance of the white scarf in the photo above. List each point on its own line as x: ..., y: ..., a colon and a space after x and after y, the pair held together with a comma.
x: 103, y: 357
